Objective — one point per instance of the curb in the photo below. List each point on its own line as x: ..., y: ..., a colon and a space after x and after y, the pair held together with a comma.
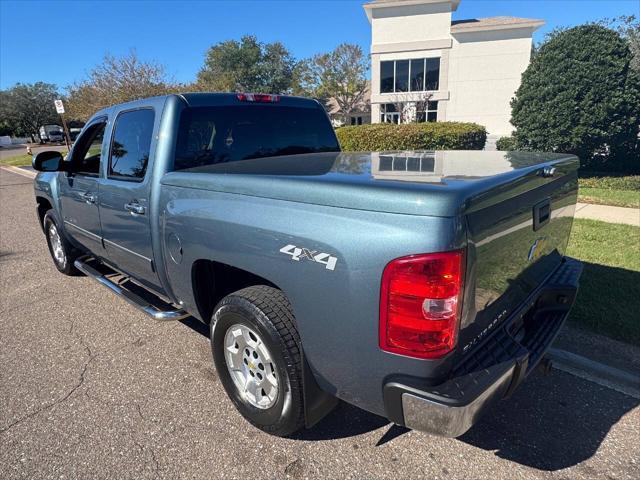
x: 19, y: 171
x: 619, y: 380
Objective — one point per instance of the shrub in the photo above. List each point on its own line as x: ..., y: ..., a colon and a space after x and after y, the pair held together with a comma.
x: 610, y: 182
x: 412, y: 136
x: 506, y: 144
x: 579, y: 95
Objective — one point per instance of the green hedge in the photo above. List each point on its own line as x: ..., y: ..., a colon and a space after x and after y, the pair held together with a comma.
x: 506, y: 144
x: 412, y: 136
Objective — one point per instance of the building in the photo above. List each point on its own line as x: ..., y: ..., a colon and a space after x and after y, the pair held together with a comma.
x: 361, y: 114
x: 426, y: 67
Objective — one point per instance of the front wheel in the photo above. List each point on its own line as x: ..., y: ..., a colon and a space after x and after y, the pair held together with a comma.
x: 62, y: 253
x: 256, y: 350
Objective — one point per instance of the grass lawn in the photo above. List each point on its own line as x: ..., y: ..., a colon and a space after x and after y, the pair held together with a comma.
x: 20, y: 160
x: 609, y: 297
x: 17, y: 161
x: 621, y: 191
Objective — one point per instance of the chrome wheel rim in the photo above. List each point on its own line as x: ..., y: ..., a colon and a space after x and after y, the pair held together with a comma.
x: 251, y: 366
x: 56, y: 246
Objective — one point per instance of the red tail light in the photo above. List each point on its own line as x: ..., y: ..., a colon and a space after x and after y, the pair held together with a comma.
x: 258, y: 97
x: 420, y: 304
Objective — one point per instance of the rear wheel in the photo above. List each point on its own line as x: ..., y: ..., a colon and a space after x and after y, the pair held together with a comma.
x: 62, y: 253
x: 257, y: 355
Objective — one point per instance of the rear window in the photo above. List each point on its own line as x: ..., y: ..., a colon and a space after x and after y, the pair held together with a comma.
x: 212, y: 135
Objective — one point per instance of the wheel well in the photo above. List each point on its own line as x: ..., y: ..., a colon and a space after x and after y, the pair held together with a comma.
x: 212, y: 281
x: 43, y: 207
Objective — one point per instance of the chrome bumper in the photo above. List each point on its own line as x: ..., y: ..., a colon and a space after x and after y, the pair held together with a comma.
x: 447, y: 420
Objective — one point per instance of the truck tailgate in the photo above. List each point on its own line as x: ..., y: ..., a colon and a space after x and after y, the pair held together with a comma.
x: 517, y: 235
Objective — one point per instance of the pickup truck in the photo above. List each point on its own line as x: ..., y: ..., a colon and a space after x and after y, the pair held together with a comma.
x: 421, y: 286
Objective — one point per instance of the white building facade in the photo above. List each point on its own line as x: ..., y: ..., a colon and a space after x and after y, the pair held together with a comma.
x: 426, y: 67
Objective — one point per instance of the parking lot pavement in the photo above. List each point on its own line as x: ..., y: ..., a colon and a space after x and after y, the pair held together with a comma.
x: 90, y: 388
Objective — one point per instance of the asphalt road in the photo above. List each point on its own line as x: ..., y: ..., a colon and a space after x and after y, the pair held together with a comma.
x: 90, y: 388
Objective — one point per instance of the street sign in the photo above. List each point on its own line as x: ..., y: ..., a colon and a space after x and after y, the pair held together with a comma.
x: 59, y: 106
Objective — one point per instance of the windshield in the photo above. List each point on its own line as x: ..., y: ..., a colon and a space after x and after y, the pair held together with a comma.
x: 211, y: 135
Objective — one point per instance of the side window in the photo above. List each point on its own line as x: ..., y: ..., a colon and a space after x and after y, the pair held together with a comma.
x: 131, y: 144
x: 86, y: 151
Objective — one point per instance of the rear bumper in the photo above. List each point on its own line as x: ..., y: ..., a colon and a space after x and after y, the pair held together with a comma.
x: 495, y: 368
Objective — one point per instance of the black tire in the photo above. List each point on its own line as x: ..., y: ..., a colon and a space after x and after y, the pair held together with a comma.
x: 266, y: 311
x: 70, y: 254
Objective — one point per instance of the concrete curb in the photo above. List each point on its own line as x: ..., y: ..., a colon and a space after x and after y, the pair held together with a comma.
x: 604, y: 375
x: 19, y: 171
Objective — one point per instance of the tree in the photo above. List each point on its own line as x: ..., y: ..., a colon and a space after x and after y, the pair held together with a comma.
x: 118, y: 80
x: 25, y: 107
x: 628, y: 26
x: 247, y: 65
x: 340, y: 75
x: 579, y: 95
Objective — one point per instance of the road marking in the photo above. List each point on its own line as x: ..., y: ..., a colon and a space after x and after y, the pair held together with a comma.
x: 20, y: 171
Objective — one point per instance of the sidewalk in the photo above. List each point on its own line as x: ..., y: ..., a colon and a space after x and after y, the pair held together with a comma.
x: 607, y: 213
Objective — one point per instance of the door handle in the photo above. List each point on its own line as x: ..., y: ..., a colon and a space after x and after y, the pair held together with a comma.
x: 89, y: 197
x: 134, y: 208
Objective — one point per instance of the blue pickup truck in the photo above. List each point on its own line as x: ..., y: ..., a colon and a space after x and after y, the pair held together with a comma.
x: 420, y: 286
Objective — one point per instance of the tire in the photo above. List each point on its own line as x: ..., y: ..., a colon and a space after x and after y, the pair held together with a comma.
x: 62, y: 253
x: 266, y: 314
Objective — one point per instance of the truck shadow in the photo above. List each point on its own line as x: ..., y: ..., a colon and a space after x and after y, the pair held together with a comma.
x: 552, y: 422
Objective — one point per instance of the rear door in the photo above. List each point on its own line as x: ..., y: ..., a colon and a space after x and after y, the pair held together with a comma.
x: 79, y: 188
x: 125, y: 192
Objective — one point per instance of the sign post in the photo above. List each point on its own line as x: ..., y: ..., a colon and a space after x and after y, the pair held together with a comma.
x: 60, y: 110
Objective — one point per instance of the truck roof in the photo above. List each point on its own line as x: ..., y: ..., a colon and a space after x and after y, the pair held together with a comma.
x: 208, y: 99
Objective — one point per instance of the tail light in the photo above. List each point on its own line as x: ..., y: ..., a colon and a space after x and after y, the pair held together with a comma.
x: 258, y: 97
x: 420, y: 304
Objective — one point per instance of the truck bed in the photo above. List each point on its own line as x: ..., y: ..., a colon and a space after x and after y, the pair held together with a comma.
x: 441, y: 183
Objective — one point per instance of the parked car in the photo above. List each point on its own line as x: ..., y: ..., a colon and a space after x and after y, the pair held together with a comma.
x: 73, y: 133
x: 420, y: 286
x: 51, y: 134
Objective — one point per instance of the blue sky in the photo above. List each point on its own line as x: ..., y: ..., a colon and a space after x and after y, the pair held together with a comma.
x: 60, y: 41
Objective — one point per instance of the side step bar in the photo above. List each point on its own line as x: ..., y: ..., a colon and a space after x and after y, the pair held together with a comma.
x: 135, y: 300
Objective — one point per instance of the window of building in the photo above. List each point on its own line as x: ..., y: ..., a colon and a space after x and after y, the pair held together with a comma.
x: 356, y: 120
x: 131, y: 144
x: 416, y: 75
x: 416, y: 83
x: 389, y: 113
x: 433, y: 73
x: 402, y: 76
x: 427, y: 112
x: 386, y: 76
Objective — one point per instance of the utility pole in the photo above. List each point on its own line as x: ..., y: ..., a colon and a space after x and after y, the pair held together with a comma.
x: 60, y: 110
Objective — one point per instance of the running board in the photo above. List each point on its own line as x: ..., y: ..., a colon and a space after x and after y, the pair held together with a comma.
x: 134, y: 299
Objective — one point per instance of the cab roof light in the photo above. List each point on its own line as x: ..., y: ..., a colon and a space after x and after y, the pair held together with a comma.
x: 258, y: 97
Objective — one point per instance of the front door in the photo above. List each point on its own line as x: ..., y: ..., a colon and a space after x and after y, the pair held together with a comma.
x: 124, y: 196
x: 79, y: 188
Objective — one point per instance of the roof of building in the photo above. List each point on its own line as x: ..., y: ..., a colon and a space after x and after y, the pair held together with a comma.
x: 493, y: 23
x: 401, y: 3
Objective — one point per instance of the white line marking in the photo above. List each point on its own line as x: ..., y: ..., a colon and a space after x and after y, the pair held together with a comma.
x: 19, y: 171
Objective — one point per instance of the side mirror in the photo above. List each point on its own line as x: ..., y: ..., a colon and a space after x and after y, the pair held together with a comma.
x: 49, y: 161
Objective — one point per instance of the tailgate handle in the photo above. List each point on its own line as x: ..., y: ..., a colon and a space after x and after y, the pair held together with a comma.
x: 541, y: 214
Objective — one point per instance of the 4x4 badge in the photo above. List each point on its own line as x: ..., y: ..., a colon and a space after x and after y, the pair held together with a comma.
x: 300, y: 253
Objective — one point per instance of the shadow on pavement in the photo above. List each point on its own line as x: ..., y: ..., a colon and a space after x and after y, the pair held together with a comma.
x: 551, y: 422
